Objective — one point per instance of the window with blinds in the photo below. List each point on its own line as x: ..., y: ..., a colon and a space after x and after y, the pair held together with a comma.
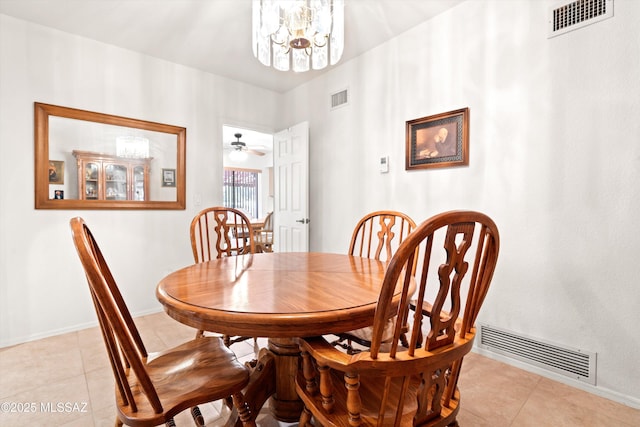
x: 240, y: 190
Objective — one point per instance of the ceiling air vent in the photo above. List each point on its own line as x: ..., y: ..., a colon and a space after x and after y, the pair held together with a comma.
x: 578, y: 14
x: 339, y: 99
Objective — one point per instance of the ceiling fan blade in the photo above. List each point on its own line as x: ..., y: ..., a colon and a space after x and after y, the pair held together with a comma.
x: 257, y: 153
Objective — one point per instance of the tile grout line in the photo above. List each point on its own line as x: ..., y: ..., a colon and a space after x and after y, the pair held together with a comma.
x: 524, y: 402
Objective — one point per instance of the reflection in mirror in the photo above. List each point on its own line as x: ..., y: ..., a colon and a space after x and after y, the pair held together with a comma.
x: 87, y: 160
x: 87, y: 148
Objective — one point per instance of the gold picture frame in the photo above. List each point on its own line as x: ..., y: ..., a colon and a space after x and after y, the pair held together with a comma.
x: 56, y: 172
x: 438, y: 141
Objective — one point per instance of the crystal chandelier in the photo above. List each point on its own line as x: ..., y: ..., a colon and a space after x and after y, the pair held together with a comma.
x: 298, y: 34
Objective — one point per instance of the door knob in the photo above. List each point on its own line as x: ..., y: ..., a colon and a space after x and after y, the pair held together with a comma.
x: 303, y: 220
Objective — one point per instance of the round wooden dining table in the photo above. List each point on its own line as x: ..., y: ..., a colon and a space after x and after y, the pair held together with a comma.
x: 280, y: 296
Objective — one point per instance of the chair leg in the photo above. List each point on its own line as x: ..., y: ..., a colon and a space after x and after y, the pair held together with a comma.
x: 403, y: 340
x: 118, y: 422
x: 229, y: 402
x: 197, y: 416
x: 305, y: 418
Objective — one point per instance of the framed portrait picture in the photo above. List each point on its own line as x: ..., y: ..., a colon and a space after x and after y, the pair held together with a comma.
x: 168, y: 177
x: 438, y: 141
x: 56, y: 172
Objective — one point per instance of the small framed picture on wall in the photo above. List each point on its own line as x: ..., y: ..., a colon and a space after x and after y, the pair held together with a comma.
x: 168, y: 177
x: 56, y: 172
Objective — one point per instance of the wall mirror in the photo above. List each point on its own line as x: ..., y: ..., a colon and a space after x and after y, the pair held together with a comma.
x: 88, y: 160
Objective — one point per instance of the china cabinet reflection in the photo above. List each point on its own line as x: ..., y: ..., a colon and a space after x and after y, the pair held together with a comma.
x: 107, y: 177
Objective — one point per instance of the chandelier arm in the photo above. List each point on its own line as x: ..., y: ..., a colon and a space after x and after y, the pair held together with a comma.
x: 326, y: 40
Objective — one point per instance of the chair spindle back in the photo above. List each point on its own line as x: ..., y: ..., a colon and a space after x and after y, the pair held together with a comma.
x: 378, y: 234
x: 217, y: 232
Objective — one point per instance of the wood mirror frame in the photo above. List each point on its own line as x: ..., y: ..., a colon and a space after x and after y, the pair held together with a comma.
x: 43, y: 193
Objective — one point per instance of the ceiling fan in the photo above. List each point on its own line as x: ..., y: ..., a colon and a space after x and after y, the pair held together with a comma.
x: 241, y: 146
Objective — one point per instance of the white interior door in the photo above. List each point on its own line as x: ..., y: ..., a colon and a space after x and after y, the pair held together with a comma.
x: 291, y: 188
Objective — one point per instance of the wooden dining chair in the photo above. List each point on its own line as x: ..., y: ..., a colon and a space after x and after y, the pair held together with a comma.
x: 264, y: 235
x: 414, y: 385
x: 218, y: 232
x: 377, y: 236
x: 151, y: 388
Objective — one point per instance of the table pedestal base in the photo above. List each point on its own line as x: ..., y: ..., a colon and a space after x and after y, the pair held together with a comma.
x: 273, y: 376
x: 285, y: 403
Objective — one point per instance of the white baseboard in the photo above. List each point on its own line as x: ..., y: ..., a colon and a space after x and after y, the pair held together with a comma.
x: 65, y: 330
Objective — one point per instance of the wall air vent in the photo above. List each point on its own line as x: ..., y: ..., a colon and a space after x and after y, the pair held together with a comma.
x: 578, y: 14
x: 576, y: 364
x: 339, y: 99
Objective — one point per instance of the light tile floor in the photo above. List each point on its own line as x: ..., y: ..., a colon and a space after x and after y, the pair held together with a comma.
x: 66, y: 381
